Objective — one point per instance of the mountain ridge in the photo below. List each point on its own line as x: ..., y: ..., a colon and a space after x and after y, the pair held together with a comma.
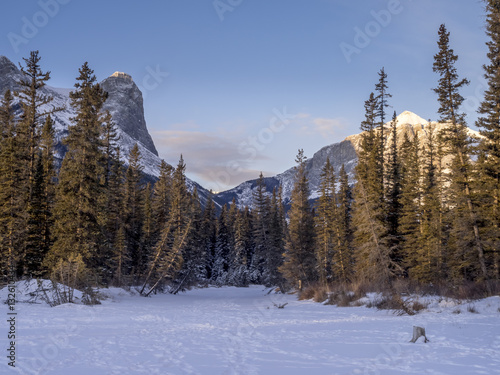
x: 344, y: 152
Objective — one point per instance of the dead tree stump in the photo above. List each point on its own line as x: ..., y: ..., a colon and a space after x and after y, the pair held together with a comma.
x: 418, y: 332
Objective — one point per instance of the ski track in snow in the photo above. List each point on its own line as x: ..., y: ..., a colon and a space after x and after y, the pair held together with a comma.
x: 240, y: 331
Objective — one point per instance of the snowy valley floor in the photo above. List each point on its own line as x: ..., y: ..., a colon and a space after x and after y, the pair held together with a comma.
x: 241, y: 331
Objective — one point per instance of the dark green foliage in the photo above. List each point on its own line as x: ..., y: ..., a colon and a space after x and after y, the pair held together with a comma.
x: 133, y: 211
x: 12, y: 201
x: 299, y: 265
x: 77, y: 227
x: 464, y: 233
x: 489, y: 125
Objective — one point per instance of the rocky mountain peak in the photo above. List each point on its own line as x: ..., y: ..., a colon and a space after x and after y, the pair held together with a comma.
x: 125, y: 104
x: 410, y: 118
x: 9, y: 74
x: 122, y: 75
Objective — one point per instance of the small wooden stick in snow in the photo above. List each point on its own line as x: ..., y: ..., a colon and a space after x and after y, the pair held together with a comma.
x: 418, y: 332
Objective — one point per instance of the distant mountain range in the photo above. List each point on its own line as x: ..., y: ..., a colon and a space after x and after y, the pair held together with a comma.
x: 125, y: 103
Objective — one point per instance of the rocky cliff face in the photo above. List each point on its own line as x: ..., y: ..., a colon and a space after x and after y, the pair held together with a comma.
x: 126, y: 106
x: 344, y: 152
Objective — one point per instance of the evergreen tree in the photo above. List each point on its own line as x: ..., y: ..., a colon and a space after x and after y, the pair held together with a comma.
x: 381, y: 99
x: 242, y: 246
x: 393, y: 195
x: 133, y: 209
x: 34, y: 105
x: 326, y: 220
x: 342, y: 265
x: 39, y: 224
x: 261, y: 228
x: 209, y: 236
x: 77, y: 228
x: 12, y: 203
x: 274, y: 258
x: 411, y: 197
x: 372, y: 251
x: 459, y: 145
x: 299, y: 266
x: 489, y: 125
x: 220, y: 272
x: 161, y: 201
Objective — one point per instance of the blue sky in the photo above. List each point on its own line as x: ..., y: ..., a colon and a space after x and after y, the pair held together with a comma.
x: 238, y: 86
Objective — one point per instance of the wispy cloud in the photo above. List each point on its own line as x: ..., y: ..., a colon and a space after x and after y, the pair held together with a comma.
x: 212, y: 157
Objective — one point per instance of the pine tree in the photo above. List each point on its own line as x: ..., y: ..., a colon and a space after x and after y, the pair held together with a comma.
x: 299, y: 266
x: 274, y: 258
x: 459, y: 145
x: 220, y: 272
x: 34, y: 106
x: 393, y: 195
x: 489, y: 125
x: 12, y: 203
x: 133, y: 211
x: 115, y: 256
x: 209, y: 236
x: 326, y: 220
x: 39, y: 224
x: 411, y: 197
x: 381, y: 98
x: 372, y: 251
x: 161, y: 201
x: 342, y: 265
x: 261, y: 228
x: 77, y: 228
x: 242, y: 245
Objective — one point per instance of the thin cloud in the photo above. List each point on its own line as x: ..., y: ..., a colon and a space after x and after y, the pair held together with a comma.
x: 214, y: 158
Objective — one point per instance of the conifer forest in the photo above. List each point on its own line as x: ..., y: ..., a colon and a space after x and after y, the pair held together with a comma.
x: 422, y: 213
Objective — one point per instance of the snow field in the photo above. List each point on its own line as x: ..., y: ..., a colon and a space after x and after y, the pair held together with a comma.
x: 241, y: 331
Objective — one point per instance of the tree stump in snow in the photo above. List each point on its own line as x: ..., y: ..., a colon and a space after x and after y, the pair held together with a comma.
x: 418, y: 332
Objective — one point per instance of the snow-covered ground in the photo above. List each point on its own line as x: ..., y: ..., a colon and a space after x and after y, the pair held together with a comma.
x: 241, y: 331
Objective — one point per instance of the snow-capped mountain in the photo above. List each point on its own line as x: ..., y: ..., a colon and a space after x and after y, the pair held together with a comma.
x: 125, y: 103
x: 344, y: 152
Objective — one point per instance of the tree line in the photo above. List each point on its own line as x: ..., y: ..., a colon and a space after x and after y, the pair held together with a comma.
x: 422, y: 211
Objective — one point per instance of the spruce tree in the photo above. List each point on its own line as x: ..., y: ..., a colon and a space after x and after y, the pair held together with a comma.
x: 239, y: 269
x: 274, y: 258
x: 459, y: 146
x: 261, y: 228
x: 162, y: 197
x: 77, y: 227
x: 299, y: 266
x: 489, y: 125
x: 133, y: 210
x: 222, y: 261
x: 209, y: 235
x: 12, y: 203
x: 381, y: 89
x: 411, y: 197
x: 35, y: 106
x: 326, y: 221
x: 372, y: 250
x: 393, y: 195
x: 342, y: 265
